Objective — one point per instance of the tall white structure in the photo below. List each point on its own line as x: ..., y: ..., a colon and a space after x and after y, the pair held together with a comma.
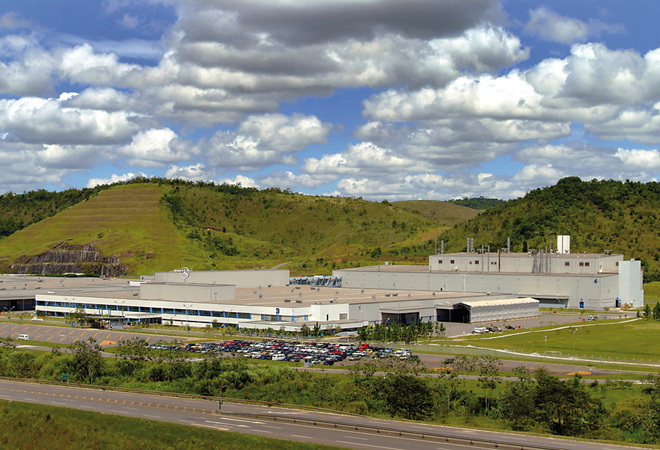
x: 631, y: 290
x: 563, y: 244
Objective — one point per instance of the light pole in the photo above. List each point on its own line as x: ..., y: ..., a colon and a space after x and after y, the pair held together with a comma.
x: 187, y: 306
x: 546, y: 345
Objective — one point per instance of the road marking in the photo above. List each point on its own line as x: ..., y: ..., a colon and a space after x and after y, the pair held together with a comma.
x: 71, y: 333
x: 274, y: 428
x: 47, y: 331
x: 13, y: 328
x: 121, y: 337
x: 350, y: 437
x: 155, y: 417
x: 303, y: 437
x: 58, y: 403
x: 240, y: 420
x: 108, y: 336
x: 148, y: 338
x: 95, y: 335
x: 63, y: 339
x: 37, y: 338
x: 262, y: 431
x: 366, y: 445
x: 25, y: 328
x: 50, y: 338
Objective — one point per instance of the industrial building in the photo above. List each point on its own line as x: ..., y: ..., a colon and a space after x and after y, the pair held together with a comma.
x: 475, y: 286
x: 555, y: 278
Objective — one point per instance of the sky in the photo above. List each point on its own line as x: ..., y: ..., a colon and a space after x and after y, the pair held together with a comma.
x: 379, y: 99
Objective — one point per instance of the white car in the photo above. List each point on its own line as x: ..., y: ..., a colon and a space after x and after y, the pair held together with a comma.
x: 480, y: 330
x: 37, y: 319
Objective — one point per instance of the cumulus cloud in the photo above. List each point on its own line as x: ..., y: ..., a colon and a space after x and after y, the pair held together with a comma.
x: 554, y: 27
x: 49, y: 121
x: 194, y: 172
x: 238, y: 180
x: 155, y: 148
x: 593, y: 86
x: 265, y: 140
x: 114, y: 179
x: 289, y: 180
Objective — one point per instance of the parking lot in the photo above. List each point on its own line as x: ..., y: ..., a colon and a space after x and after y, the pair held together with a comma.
x: 64, y: 335
x: 323, y: 353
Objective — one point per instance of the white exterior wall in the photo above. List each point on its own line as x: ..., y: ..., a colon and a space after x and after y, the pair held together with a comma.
x: 498, y: 313
x: 631, y: 288
x: 524, y: 263
x: 594, y: 295
x: 239, y: 278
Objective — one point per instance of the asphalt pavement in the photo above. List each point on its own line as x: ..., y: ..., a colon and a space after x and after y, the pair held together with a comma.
x: 349, y: 431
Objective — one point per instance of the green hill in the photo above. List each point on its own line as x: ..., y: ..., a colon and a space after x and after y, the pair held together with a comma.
x: 598, y: 215
x: 446, y: 214
x: 153, y: 225
x: 479, y: 203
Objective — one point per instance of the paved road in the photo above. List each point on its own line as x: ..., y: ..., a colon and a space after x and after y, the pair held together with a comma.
x: 64, y: 335
x: 331, y: 429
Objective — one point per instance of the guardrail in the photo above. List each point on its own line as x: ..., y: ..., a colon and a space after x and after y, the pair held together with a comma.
x: 444, y: 437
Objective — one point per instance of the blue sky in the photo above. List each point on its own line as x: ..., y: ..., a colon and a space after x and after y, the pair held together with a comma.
x: 383, y: 99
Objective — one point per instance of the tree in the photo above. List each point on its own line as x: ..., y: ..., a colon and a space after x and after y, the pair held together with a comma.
x: 647, y: 311
x: 442, y: 329
x: 79, y: 315
x: 489, y: 374
x: 86, y: 362
x: 132, y: 354
x: 408, y: 396
x: 304, y: 330
x: 565, y: 408
x: 516, y: 403
x: 316, y: 331
x: 656, y: 311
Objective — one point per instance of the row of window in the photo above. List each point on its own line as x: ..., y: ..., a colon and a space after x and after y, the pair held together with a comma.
x: 147, y: 309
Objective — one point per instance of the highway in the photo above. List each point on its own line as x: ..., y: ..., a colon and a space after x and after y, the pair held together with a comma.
x: 347, y: 431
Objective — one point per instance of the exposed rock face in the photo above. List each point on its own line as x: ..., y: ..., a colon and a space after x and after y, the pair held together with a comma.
x: 69, y: 258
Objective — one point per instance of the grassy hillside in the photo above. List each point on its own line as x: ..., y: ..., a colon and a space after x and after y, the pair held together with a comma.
x: 598, y: 215
x: 20, y: 210
x: 478, y: 203
x: 166, y: 224
x: 315, y: 233
x: 127, y: 221
x: 446, y: 214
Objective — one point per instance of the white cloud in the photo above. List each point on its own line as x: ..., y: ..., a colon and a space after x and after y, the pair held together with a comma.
x: 265, y: 140
x: 194, y: 172
x: 290, y: 180
x: 644, y: 161
x: 37, y: 120
x: 361, y: 159
x: 238, y: 179
x: 554, y: 27
x: 10, y: 20
x: 130, y: 21
x: 114, y: 179
x: 155, y: 148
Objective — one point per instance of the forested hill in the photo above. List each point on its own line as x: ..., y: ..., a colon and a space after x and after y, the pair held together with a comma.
x: 598, y: 215
x: 17, y: 211
x: 160, y: 224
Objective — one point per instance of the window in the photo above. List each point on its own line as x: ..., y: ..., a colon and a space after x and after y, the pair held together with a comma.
x: 586, y: 264
x: 581, y: 264
x: 451, y: 262
x: 476, y: 261
x: 567, y: 263
x: 617, y: 263
x: 205, y: 313
x: 244, y: 315
x: 439, y: 261
x: 343, y: 316
x: 168, y: 311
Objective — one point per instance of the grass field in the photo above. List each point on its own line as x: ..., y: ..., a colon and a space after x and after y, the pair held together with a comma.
x: 616, y: 340
x: 30, y: 426
x: 445, y: 213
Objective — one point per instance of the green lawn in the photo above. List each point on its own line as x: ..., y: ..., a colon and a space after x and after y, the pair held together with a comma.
x: 622, y: 340
x: 30, y: 426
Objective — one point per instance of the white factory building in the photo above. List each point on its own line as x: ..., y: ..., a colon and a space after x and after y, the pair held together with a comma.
x: 466, y: 287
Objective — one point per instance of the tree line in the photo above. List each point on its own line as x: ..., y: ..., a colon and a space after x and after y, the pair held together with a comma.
x: 536, y: 402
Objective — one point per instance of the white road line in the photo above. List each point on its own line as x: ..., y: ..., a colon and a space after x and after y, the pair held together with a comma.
x: 58, y: 403
x: 273, y: 428
x: 299, y: 436
x: 368, y: 445
x: 154, y: 417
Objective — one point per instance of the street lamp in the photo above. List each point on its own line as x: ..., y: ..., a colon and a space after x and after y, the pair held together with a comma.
x: 187, y: 306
